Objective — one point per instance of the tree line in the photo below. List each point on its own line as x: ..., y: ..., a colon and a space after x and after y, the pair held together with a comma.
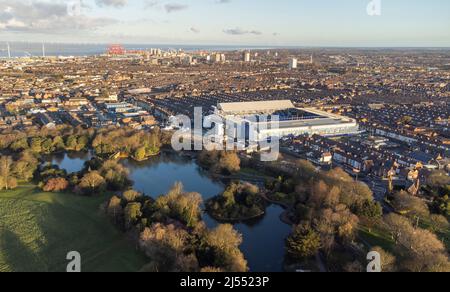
x: 329, y: 208
x: 170, y: 231
x: 136, y: 144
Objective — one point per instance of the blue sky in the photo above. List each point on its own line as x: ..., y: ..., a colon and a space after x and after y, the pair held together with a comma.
x: 234, y: 22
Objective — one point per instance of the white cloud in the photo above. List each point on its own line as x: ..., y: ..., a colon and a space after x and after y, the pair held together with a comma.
x: 45, y: 17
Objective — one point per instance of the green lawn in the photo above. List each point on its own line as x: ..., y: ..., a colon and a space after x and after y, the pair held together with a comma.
x: 375, y: 237
x: 38, y: 229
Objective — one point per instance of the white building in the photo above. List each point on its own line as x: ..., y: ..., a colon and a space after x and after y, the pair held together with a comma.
x: 220, y: 58
x: 217, y: 58
x: 247, y: 57
x: 293, y: 64
x: 292, y: 121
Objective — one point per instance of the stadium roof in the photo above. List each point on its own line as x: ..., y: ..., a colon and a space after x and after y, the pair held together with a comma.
x: 256, y: 106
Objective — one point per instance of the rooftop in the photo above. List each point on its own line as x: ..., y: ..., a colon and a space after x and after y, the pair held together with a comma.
x: 255, y: 107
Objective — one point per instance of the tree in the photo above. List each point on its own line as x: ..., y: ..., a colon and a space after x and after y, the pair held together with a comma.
x: 7, y: 180
x: 319, y: 193
x: 224, y: 237
x: 439, y: 222
x: 371, y: 210
x: 58, y: 143
x: 412, y: 206
x: 335, y: 225
x: 82, y: 142
x: 132, y: 213
x: 355, y: 194
x: 56, y: 185
x: 126, y: 140
x: 224, y: 240
x: 208, y: 158
x: 220, y: 161
x: 438, y: 179
x: 167, y: 247
x: 140, y: 154
x: 211, y: 270
x: 419, y: 249
x: 405, y: 120
x: 179, y: 205
x: 92, y: 182
x: 441, y: 205
x: 185, y: 264
x: 131, y: 196
x: 397, y: 225
x: 423, y: 252
x: 305, y: 170
x: 229, y: 162
x: 36, y: 144
x: 115, y: 211
x: 26, y: 166
x: 388, y: 261
x: 239, y: 201
x: 339, y: 175
x: 304, y: 242
x: 116, y: 175
x: 71, y: 142
x: 228, y: 197
x: 353, y: 267
x: 19, y: 145
x: 47, y: 146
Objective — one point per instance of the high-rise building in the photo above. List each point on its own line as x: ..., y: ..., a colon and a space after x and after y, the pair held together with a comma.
x: 217, y: 58
x: 9, y: 50
x: 293, y: 64
x: 247, y: 56
x: 155, y: 52
x: 188, y: 60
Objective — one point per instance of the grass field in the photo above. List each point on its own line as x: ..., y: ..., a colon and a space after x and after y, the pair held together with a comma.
x: 38, y: 229
x: 375, y: 237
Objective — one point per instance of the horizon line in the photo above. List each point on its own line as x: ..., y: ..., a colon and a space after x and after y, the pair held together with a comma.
x: 239, y: 45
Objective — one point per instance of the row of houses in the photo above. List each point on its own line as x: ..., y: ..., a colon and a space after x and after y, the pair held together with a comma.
x: 359, y: 157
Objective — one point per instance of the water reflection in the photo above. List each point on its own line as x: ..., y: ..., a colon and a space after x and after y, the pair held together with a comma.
x: 263, y: 244
x: 70, y: 161
x: 263, y: 238
x: 157, y: 175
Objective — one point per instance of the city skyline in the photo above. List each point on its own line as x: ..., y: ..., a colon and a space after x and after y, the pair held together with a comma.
x: 228, y: 22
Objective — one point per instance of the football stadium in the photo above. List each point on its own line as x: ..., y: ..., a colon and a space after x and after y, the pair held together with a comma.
x: 293, y: 121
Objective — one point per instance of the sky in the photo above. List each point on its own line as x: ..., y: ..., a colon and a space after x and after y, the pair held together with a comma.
x: 336, y: 23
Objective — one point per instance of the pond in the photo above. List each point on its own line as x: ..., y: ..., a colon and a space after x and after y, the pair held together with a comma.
x: 263, y: 244
x: 70, y: 161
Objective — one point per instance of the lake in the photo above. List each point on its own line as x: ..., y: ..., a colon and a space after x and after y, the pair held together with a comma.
x: 70, y: 161
x: 263, y: 244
